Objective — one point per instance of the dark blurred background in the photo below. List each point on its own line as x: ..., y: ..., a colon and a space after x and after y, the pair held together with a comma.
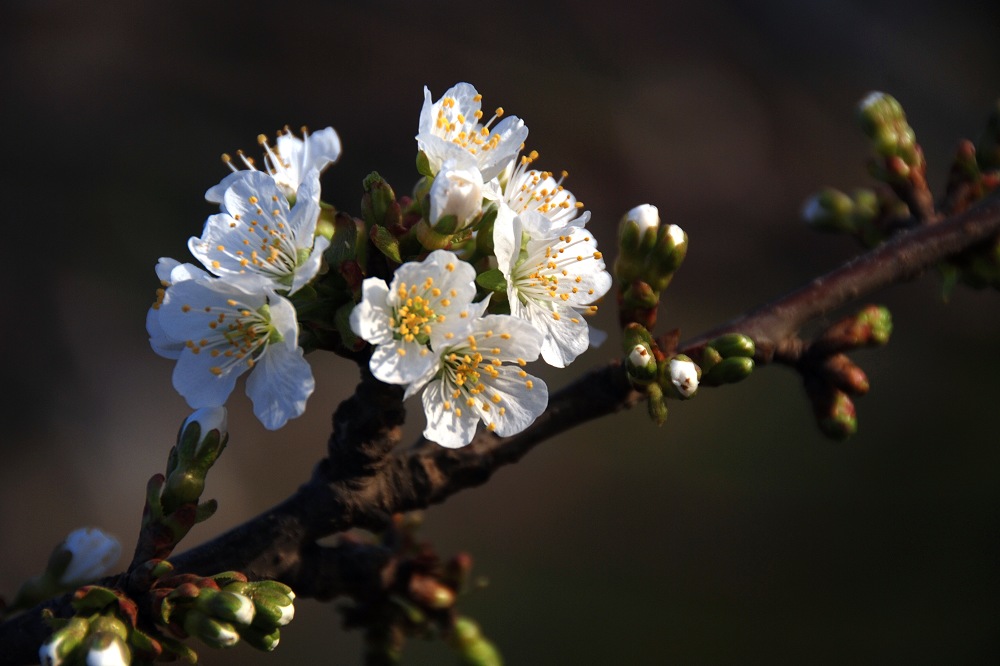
x: 734, y: 534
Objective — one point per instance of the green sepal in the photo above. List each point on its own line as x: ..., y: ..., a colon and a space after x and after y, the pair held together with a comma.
x: 260, y: 639
x: 205, y: 510
x: 492, y: 280
x: 424, y: 165
x: 93, y: 598
x: 386, y: 243
x: 710, y: 357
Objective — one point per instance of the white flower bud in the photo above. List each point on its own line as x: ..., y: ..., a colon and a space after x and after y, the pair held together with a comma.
x: 684, y: 376
x: 640, y: 357
x: 287, y: 613
x: 108, y: 650
x: 645, y: 216
x: 457, y: 192
x: 209, y: 418
x: 93, y: 554
x: 676, y: 234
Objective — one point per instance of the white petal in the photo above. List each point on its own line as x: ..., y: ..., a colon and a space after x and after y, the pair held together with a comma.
x: 391, y: 367
x: 370, y: 317
x: 280, y: 384
x: 445, y: 426
x: 521, y: 404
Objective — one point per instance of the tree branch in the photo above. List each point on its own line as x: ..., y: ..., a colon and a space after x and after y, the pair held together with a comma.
x: 366, y: 479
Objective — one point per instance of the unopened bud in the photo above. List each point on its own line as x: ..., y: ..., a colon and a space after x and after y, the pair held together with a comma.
x: 684, y: 375
x: 260, y: 639
x: 227, y: 606
x: 378, y: 203
x: 430, y: 593
x: 107, y: 649
x: 60, y: 645
x: 837, y: 416
x: 829, y: 210
x: 456, y: 193
x: 640, y: 365
x: 728, y: 371
x: 844, y: 374
x: 212, y: 632
x: 472, y: 646
x: 734, y: 344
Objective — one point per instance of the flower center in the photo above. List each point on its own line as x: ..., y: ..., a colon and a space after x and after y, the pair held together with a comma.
x: 530, y: 189
x: 453, y: 125
x: 236, y: 334
x: 411, y: 320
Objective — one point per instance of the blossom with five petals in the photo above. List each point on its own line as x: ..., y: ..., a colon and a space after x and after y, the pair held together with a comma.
x: 478, y: 376
x: 259, y: 232
x: 226, y: 327
x: 554, y: 274
x: 400, y: 318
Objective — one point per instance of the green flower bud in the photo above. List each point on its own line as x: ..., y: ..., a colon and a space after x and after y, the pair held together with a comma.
x: 57, y: 649
x: 260, y: 639
x: 837, y: 416
x: 829, y: 210
x: 728, y: 371
x: 224, y: 605
x: 472, y: 646
x: 884, y: 122
x: 734, y: 344
x: 212, y: 632
x: 378, y: 204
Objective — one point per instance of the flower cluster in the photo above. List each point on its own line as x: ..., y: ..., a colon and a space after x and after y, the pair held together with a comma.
x: 487, y: 267
x: 235, y: 315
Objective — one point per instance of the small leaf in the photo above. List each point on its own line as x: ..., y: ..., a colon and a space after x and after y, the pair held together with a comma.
x: 492, y: 280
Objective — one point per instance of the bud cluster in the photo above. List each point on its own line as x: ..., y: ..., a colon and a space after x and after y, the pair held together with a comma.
x: 223, y: 609
x: 420, y: 600
x: 648, y: 256
x: 102, y: 631
x: 831, y: 379
x: 727, y: 359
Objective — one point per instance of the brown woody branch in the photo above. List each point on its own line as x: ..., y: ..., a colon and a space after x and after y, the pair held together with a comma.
x: 367, y: 477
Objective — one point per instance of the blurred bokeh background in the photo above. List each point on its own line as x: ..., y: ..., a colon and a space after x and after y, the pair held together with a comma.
x: 734, y: 534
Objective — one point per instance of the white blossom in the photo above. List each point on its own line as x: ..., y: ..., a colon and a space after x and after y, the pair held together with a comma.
x: 230, y: 326
x: 554, y: 275
x: 451, y: 128
x: 400, y: 318
x: 288, y: 162
x: 258, y: 232
x: 168, y: 271
x: 478, y: 376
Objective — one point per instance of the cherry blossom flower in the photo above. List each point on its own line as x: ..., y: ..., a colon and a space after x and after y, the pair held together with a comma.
x: 478, y: 376
x: 554, y: 274
x: 259, y: 232
x: 226, y: 327
x: 168, y: 271
x: 288, y: 162
x: 526, y: 189
x: 400, y: 318
x: 450, y: 128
